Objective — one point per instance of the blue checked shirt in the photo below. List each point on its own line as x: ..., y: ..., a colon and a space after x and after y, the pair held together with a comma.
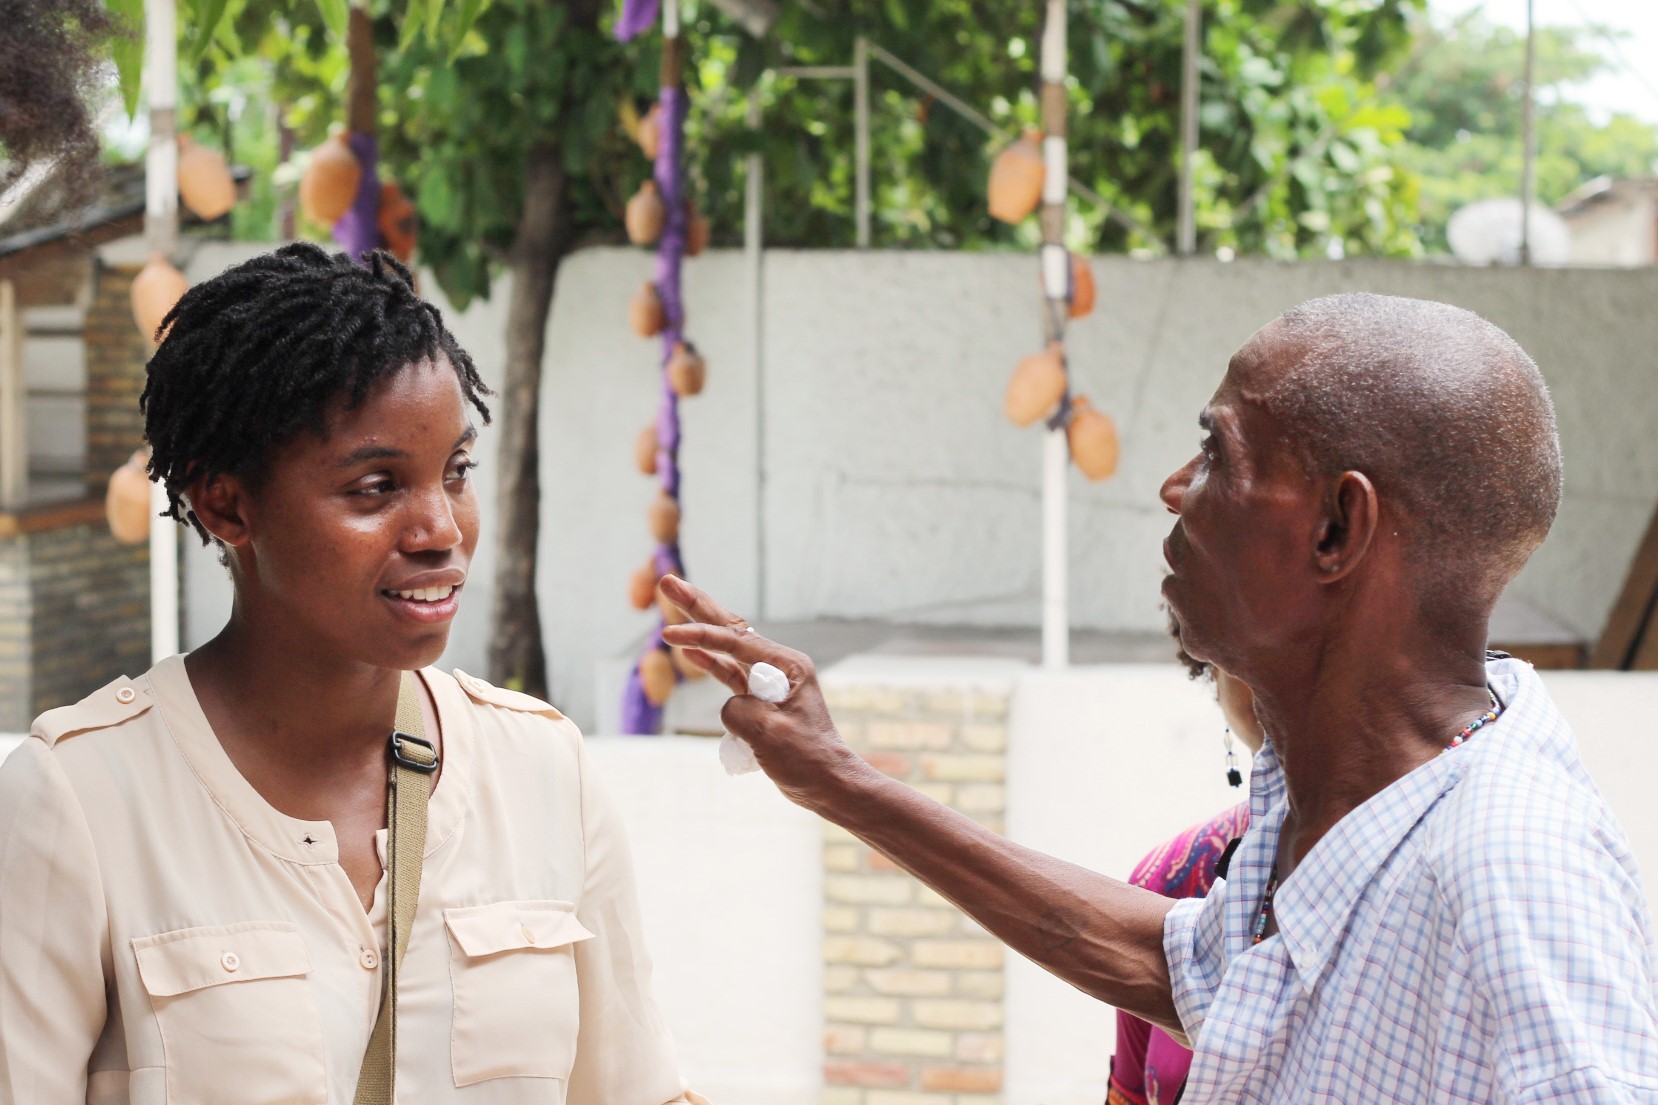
x: 1474, y: 933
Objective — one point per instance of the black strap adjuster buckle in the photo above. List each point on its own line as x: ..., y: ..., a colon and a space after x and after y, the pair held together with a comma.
x: 415, y: 761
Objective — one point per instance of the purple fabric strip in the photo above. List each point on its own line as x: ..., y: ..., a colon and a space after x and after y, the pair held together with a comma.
x: 358, y: 230
x: 638, y: 715
x: 637, y: 15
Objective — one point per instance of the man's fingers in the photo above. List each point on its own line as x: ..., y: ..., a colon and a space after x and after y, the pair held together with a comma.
x: 728, y: 672
x: 746, y: 716
x: 696, y: 602
x: 747, y: 647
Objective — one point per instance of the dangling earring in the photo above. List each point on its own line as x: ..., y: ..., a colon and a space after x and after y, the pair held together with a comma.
x: 1233, y: 777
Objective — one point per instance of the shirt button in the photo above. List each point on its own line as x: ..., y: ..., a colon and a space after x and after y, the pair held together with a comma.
x: 230, y: 961
x: 369, y: 959
x: 529, y: 937
x: 125, y: 694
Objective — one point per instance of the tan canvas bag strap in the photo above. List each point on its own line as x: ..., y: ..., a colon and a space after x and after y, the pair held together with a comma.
x: 414, y: 761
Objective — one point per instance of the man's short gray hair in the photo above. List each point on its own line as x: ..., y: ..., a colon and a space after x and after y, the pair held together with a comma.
x: 1446, y: 415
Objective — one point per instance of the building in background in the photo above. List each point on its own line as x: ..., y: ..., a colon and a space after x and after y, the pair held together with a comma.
x: 1614, y: 223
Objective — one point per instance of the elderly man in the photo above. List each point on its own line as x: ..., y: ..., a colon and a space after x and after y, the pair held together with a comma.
x: 1433, y: 903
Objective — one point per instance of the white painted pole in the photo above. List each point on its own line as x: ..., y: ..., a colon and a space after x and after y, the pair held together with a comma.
x: 14, y: 439
x: 1528, y: 127
x: 1056, y: 278
x: 754, y: 199
x: 1186, y: 229
x: 860, y: 88
x: 161, y: 231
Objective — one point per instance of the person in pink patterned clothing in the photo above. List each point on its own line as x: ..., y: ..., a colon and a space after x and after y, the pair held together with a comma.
x: 1150, y: 1066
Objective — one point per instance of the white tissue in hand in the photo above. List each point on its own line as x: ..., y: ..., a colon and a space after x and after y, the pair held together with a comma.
x: 736, y: 756
x: 767, y: 683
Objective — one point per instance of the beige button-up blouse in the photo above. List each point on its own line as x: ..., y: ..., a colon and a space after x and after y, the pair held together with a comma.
x: 169, y: 938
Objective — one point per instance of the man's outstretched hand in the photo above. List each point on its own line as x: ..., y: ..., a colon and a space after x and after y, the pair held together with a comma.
x: 795, y: 739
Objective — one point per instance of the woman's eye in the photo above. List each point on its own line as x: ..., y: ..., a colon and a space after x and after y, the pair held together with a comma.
x: 462, y: 471
x: 377, y: 487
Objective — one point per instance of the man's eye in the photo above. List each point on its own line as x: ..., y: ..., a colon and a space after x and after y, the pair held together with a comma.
x: 1207, y: 447
x: 462, y: 471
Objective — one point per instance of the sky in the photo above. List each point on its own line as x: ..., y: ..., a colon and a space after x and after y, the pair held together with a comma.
x: 1632, y: 86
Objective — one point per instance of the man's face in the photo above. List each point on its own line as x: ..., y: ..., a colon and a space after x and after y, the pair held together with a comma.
x: 1241, y: 551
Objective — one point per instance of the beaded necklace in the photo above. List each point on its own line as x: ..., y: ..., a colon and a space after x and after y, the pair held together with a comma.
x: 1264, y: 918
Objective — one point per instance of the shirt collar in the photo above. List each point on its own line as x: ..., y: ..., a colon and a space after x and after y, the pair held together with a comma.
x: 1312, y: 908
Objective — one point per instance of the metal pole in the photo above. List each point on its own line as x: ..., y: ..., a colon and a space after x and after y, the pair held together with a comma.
x: 14, y: 445
x: 1528, y: 125
x: 1056, y: 290
x: 1186, y: 234
x: 161, y: 232
x: 754, y: 199
x: 860, y: 89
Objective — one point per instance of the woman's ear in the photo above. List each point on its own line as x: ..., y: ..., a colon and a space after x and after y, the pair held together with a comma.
x: 220, y: 504
x: 1349, y: 523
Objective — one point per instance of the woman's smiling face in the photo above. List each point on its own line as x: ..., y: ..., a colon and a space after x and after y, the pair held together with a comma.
x: 358, y: 541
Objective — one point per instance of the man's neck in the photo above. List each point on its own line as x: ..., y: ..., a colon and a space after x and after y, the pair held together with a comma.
x: 1372, y: 716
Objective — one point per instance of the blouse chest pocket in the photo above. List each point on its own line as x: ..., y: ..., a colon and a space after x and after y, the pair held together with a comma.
x: 237, y: 1020
x: 517, y: 1006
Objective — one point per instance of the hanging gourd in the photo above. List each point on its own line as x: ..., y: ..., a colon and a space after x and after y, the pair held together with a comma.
x: 204, y: 181
x: 697, y: 231
x: 645, y: 215
x: 645, y: 312
x: 1016, y: 179
x: 650, y: 132
x: 1083, y: 292
x: 1036, y: 387
x: 642, y: 587
x: 644, y: 451
x: 156, y: 288
x: 687, y: 371
x: 664, y: 519
x: 656, y: 676
x: 127, y: 501
x: 1093, y: 439
x: 330, y: 181
x: 399, y: 222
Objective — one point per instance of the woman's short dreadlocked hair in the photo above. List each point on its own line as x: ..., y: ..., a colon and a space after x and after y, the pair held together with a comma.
x: 255, y: 356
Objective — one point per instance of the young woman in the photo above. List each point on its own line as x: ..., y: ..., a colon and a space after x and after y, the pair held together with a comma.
x: 194, y: 896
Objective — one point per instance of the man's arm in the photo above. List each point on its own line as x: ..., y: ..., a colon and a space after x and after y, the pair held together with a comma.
x: 1103, y: 936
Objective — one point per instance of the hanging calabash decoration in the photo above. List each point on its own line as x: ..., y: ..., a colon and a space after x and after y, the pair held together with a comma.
x: 642, y: 587
x: 204, y: 181
x: 1037, y: 386
x: 697, y: 231
x: 646, y: 215
x: 127, y: 501
x: 687, y: 371
x: 399, y: 222
x: 329, y: 185
x: 650, y: 132
x: 656, y: 676
x: 156, y: 288
x: 645, y: 313
x: 1016, y: 179
x: 1083, y: 291
x: 664, y: 519
x: 1093, y: 439
x: 644, y: 451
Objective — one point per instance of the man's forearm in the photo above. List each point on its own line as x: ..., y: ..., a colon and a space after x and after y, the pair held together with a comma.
x: 1102, y: 936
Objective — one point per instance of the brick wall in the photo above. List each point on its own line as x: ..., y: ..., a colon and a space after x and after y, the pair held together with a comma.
x: 116, y: 354
x: 74, y: 612
x: 913, y: 989
x: 14, y: 635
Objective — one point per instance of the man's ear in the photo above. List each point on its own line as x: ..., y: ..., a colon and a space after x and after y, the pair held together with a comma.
x: 220, y: 503
x: 1351, y: 513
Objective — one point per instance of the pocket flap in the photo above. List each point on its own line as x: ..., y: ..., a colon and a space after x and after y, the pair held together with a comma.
x: 511, y: 926
x: 177, y: 962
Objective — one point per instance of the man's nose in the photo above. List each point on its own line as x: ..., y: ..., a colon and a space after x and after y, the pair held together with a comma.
x: 1174, y: 488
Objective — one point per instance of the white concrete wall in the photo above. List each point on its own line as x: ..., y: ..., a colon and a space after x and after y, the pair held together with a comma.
x: 1104, y: 762
x: 860, y: 466
x: 1619, y: 231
